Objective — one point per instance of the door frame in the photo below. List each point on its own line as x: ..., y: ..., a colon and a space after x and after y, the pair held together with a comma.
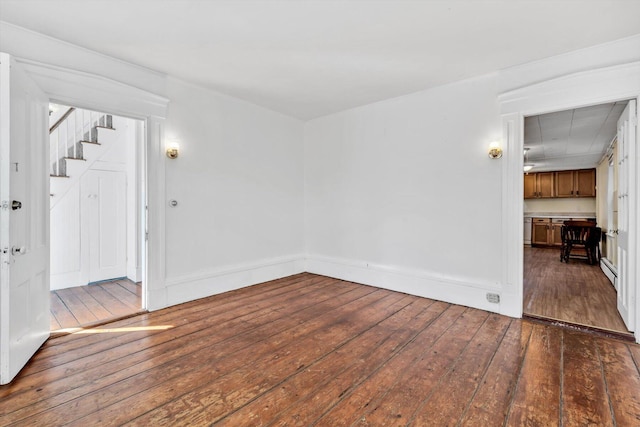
x: 575, y: 90
x: 93, y: 92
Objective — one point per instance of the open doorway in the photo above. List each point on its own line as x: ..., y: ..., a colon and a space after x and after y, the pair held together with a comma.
x: 569, y: 180
x: 96, y: 221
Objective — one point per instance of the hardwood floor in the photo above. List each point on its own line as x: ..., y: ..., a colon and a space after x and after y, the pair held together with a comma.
x: 576, y: 292
x: 311, y: 350
x: 93, y: 304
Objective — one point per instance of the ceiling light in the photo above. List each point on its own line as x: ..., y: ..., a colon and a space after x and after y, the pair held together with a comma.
x: 527, y: 166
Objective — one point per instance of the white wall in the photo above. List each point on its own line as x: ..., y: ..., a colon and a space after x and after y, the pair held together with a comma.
x: 238, y: 180
x: 562, y: 205
x: 398, y: 194
x: 239, y: 186
x: 401, y: 193
x: 406, y: 184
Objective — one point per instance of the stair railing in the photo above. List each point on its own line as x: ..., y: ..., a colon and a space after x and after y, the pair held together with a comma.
x: 66, y: 134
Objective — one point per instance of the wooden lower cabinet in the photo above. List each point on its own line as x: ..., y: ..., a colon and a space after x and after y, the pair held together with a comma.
x: 556, y: 232
x: 540, y: 229
x: 548, y: 231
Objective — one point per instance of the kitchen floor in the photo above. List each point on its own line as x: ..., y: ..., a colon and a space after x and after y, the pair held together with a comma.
x: 573, y: 292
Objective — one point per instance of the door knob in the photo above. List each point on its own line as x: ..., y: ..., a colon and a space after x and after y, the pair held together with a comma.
x: 15, y: 205
x: 18, y: 251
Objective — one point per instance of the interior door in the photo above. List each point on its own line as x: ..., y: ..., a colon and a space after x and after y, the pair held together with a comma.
x: 105, y: 196
x: 627, y: 196
x: 24, y: 218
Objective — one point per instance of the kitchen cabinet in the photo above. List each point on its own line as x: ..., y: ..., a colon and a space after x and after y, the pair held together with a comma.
x: 555, y: 237
x: 540, y: 231
x: 575, y: 183
x: 560, y: 184
x: 538, y: 185
x: 548, y: 231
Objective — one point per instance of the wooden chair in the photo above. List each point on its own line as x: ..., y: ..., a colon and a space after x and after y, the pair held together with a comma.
x: 585, y: 237
x: 580, y: 223
x: 593, y: 244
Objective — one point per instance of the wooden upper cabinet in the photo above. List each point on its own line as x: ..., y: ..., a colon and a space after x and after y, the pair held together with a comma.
x: 585, y: 183
x: 576, y: 183
x: 545, y: 184
x: 530, y: 191
x: 538, y: 185
x: 564, y: 184
x: 572, y: 183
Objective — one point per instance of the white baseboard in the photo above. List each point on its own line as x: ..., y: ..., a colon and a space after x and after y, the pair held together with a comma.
x: 415, y: 282
x: 66, y: 280
x: 454, y: 290
x: 134, y: 273
x: 203, y: 284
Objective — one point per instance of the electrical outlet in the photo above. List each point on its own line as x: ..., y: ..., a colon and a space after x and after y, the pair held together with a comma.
x: 493, y: 298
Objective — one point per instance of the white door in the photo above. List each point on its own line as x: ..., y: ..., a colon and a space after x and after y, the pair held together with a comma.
x: 105, y: 211
x: 627, y: 196
x: 24, y: 230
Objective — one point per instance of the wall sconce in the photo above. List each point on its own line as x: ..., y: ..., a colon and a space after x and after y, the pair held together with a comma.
x: 495, y: 152
x: 173, y: 150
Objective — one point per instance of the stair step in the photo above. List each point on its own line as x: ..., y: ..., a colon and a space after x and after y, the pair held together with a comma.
x: 74, y: 158
x: 105, y: 127
x: 89, y: 142
x: 58, y: 176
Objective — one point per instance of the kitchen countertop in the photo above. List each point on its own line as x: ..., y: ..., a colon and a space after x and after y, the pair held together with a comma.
x: 560, y: 215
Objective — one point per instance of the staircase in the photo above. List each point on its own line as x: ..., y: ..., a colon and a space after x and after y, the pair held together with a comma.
x: 77, y: 139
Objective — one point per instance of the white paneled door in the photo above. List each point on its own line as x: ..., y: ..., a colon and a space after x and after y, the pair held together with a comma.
x: 105, y: 233
x: 627, y: 199
x: 24, y: 218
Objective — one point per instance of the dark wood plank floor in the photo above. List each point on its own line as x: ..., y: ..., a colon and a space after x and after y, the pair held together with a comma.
x: 310, y: 350
x: 93, y: 304
x: 573, y: 292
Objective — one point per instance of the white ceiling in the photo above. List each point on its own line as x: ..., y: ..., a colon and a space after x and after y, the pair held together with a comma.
x: 571, y: 139
x: 312, y: 58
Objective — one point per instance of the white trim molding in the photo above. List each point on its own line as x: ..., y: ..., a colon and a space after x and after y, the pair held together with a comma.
x: 597, y: 86
x: 154, y: 253
x: 86, y: 90
x: 223, y: 279
x: 454, y: 290
x: 99, y: 93
x: 581, y: 89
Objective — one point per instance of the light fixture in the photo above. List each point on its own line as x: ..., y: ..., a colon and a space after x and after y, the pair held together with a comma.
x: 527, y: 166
x: 173, y: 150
x: 495, y: 152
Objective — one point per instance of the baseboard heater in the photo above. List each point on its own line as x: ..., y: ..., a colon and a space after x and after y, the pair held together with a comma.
x: 610, y: 271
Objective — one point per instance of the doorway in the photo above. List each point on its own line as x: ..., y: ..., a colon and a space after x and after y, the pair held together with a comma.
x: 96, y: 221
x: 569, y: 177
x: 24, y: 288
